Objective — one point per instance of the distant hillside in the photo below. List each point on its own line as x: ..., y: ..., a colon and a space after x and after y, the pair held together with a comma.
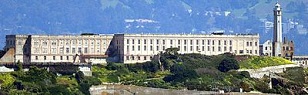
x: 150, y: 16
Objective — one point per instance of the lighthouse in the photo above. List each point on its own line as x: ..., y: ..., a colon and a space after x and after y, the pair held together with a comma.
x: 277, y: 35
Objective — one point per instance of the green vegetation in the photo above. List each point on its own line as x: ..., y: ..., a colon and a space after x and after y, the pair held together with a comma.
x: 171, y: 71
x: 256, y: 62
x: 40, y: 81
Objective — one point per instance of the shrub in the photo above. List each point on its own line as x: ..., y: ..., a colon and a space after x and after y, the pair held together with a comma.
x: 228, y: 64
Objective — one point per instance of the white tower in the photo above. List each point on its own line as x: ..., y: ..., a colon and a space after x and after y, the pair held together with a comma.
x: 277, y: 37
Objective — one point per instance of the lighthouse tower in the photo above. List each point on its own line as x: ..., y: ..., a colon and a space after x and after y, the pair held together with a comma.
x: 277, y: 37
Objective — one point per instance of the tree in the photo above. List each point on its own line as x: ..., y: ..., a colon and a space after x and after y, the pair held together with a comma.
x: 19, y: 66
x: 228, y: 64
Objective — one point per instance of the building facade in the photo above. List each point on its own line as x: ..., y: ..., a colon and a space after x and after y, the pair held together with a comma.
x: 266, y: 48
x: 134, y: 48
x: 124, y: 48
x: 59, y: 49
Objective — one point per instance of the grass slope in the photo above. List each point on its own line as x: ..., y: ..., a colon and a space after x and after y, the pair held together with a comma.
x: 256, y: 62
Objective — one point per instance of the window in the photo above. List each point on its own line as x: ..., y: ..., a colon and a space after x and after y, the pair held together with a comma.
x: 225, y: 42
x: 145, y: 41
x: 54, y: 57
x: 218, y: 42
x: 85, y: 50
x: 179, y: 47
x: 179, y: 41
x: 133, y: 58
x: 45, y: 43
x: 145, y: 48
x: 208, y: 42
x: 127, y: 47
x: 185, y: 48
x: 144, y: 58
x: 67, y: 57
x: 79, y: 50
x: 164, y: 48
x: 213, y: 42
x: 171, y: 42
x: 92, y: 42
x: 127, y: 57
x: 36, y: 57
x: 85, y: 42
x: 184, y: 42
x: 163, y: 41
x: 213, y: 48
x: 73, y: 50
x: 54, y: 50
x: 250, y: 43
x: 157, y: 41
x: 247, y: 43
x: 241, y: 51
x: 256, y: 51
x: 67, y: 50
x: 133, y: 41
x: 225, y: 48
x: 151, y: 41
x: 230, y: 42
x: 61, y: 49
x: 74, y: 42
x: 151, y: 48
x: 191, y: 42
x: 97, y: 50
x: 44, y: 57
x: 191, y: 48
x: 202, y: 42
x: 157, y: 48
x: 138, y: 41
x: 44, y: 50
x: 61, y: 57
x: 138, y: 48
x: 197, y: 48
x: 127, y: 41
x: 265, y: 48
x: 230, y: 48
x: 138, y: 57
x: 79, y: 42
x: 256, y: 43
x: 133, y: 48
x: 197, y: 42
x: 208, y: 48
x: 219, y: 49
x: 35, y: 43
x: 202, y: 48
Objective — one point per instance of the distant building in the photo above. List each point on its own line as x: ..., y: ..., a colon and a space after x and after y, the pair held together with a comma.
x: 134, y: 48
x: 125, y: 48
x: 279, y: 47
x: 266, y: 48
x: 57, y: 49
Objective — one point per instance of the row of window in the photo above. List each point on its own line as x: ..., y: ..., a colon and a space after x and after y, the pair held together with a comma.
x: 209, y: 42
x: 68, y: 42
x: 68, y: 50
x: 138, y: 57
x: 250, y: 43
x: 197, y: 48
x: 53, y: 58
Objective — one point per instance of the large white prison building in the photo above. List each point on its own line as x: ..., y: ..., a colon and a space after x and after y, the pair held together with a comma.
x: 125, y: 48
x: 134, y: 48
